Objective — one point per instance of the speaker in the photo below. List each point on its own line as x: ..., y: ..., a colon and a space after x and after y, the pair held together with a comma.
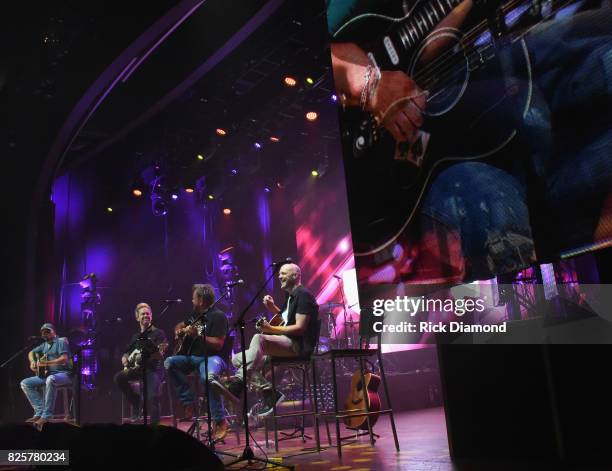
x: 119, y: 446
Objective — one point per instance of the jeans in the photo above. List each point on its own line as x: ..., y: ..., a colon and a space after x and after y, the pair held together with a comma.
x: 262, y: 345
x: 568, y: 129
x: 43, y: 402
x: 154, y: 380
x: 179, y: 365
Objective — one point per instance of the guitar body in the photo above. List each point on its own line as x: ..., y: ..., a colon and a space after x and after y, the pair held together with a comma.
x: 356, y: 400
x: 183, y: 341
x: 276, y: 321
x: 479, y: 92
x: 41, y: 371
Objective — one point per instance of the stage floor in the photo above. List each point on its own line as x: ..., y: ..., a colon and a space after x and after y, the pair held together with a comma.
x: 422, y: 437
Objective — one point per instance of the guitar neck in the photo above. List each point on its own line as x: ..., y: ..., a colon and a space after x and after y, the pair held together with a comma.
x: 406, y: 34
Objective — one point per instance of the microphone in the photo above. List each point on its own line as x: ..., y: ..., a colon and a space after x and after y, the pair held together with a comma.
x: 112, y: 321
x: 231, y: 284
x: 337, y: 277
x: 284, y: 262
x: 174, y: 301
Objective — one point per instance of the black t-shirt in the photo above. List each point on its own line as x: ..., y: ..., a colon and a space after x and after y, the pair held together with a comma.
x: 301, y: 301
x: 157, y: 337
x: 216, y: 326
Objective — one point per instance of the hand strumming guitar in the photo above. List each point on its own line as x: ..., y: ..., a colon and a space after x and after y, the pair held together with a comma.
x: 393, y: 97
x: 185, y: 330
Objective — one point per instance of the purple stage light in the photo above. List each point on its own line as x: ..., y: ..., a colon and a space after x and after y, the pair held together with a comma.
x: 174, y: 196
x: 267, y: 189
x: 334, y: 98
x: 257, y: 145
x: 234, y: 171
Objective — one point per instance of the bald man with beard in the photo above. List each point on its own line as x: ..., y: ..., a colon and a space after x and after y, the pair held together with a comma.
x: 297, y: 338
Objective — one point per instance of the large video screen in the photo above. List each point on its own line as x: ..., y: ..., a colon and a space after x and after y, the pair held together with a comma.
x: 477, y: 136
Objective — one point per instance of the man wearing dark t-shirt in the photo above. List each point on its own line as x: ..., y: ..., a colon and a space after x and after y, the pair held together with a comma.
x: 195, y: 349
x: 297, y: 337
x: 152, y: 341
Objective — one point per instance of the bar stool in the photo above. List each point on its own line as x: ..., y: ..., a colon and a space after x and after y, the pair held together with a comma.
x: 66, y: 391
x: 303, y: 364
x: 360, y: 355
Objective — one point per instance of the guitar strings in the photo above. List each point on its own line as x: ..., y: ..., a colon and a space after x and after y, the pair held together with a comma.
x: 444, y: 60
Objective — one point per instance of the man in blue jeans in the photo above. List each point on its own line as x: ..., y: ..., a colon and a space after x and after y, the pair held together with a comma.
x: 42, y: 391
x: 193, y: 351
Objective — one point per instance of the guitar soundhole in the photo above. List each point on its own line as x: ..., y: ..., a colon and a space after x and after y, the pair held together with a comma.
x: 446, y: 76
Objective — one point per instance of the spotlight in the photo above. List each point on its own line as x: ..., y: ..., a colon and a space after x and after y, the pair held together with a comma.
x: 221, y: 132
x: 334, y: 98
x: 275, y: 139
x: 314, y: 173
x: 257, y: 145
x: 137, y: 192
x: 200, y: 157
x: 211, y: 197
x: 234, y: 171
x: 309, y: 80
x: 227, y: 211
x: 174, y: 196
x: 267, y: 189
x: 158, y: 206
x: 189, y: 189
x: 109, y: 210
x: 311, y: 116
x: 290, y: 81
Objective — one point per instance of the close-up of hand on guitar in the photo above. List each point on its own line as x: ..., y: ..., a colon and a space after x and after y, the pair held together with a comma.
x: 262, y: 326
x: 189, y: 331
x: 395, y: 100
x: 397, y: 105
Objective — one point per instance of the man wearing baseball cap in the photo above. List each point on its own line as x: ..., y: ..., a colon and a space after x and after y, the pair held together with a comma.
x: 41, y: 389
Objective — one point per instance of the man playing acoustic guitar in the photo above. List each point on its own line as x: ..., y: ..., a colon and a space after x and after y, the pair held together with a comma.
x: 191, y: 351
x: 52, y: 370
x: 155, y: 346
x: 297, y: 337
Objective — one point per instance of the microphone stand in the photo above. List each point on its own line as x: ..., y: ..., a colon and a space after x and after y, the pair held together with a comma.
x: 247, y: 453
x: 196, y: 423
x: 8, y: 362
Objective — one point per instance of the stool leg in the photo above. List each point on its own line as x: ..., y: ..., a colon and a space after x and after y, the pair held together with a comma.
x: 313, y: 404
x: 303, y: 368
x: 170, y: 402
x: 66, y: 405
x: 388, y: 399
x: 335, y: 386
x: 274, y: 420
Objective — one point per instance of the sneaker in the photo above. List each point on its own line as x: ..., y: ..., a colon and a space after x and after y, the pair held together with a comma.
x: 232, y: 389
x: 33, y: 419
x: 221, y: 429
x: 271, y: 398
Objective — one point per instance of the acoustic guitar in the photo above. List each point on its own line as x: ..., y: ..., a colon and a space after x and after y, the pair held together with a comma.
x: 186, y: 332
x: 41, y: 371
x: 356, y: 402
x: 480, y: 89
x: 277, y: 320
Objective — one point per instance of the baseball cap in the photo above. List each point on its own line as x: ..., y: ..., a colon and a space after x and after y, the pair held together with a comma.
x: 48, y: 326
